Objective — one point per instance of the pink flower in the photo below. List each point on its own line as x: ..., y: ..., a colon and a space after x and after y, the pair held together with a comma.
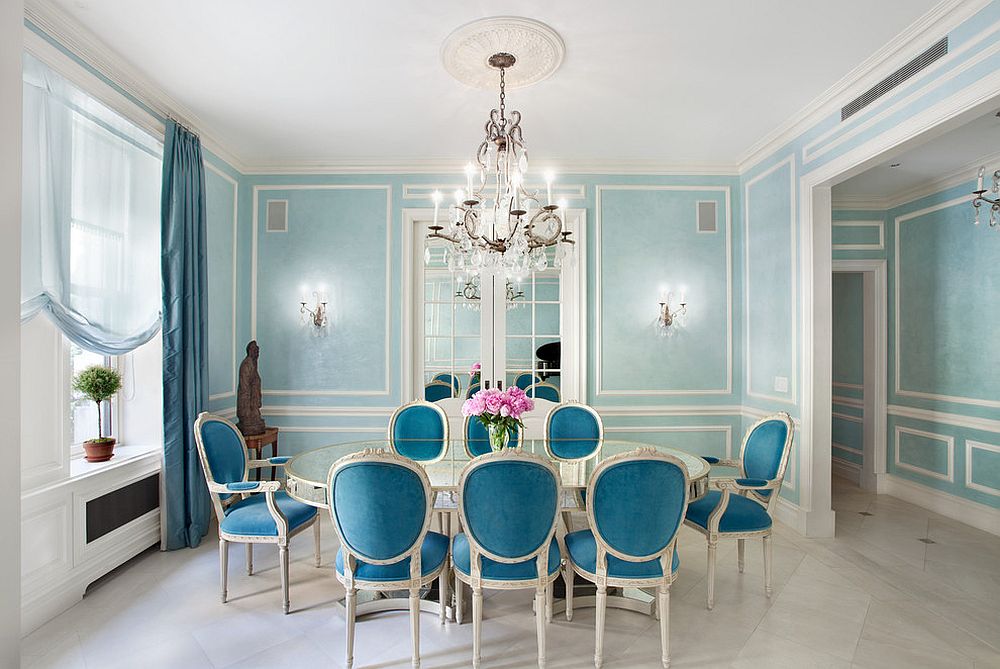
x: 476, y: 367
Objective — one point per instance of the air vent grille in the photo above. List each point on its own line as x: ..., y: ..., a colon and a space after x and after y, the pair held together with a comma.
x: 277, y: 216
x: 707, y: 217
x: 932, y: 54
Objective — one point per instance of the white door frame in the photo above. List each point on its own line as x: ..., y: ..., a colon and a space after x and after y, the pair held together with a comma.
x: 876, y: 324
x: 816, y: 516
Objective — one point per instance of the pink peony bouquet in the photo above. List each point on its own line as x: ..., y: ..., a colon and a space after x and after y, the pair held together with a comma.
x: 500, y: 411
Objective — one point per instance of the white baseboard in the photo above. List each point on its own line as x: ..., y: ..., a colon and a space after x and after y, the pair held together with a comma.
x: 980, y: 516
x: 846, y: 470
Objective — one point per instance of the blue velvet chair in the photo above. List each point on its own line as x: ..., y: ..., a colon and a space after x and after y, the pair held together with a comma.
x: 524, y: 380
x: 249, y: 512
x: 543, y: 391
x: 380, y: 504
x: 436, y: 391
x: 419, y: 431
x: 452, y: 379
x: 473, y: 389
x: 508, y: 545
x: 637, y: 504
x: 477, y: 438
x: 573, y: 432
x: 741, y: 508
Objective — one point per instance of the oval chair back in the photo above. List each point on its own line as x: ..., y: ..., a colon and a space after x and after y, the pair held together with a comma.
x: 449, y: 378
x: 223, y: 455
x: 526, y: 379
x: 543, y: 391
x: 477, y: 437
x: 573, y: 432
x: 380, y: 505
x: 637, y: 504
x: 764, y: 453
x: 473, y: 389
x: 419, y: 431
x: 438, y: 390
x: 524, y: 529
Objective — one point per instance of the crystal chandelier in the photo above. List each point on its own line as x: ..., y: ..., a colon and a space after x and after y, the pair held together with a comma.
x: 497, y: 223
x: 979, y: 196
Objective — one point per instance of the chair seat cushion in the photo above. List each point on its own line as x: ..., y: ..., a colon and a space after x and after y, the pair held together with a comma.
x: 251, y: 517
x: 742, y: 514
x: 432, y: 553
x: 501, y: 571
x: 582, y: 549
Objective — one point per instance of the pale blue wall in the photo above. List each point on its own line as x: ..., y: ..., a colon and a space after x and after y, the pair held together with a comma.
x: 848, y: 366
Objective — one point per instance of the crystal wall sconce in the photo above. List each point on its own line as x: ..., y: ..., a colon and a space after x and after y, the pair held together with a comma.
x: 316, y: 315
x: 673, y: 310
x: 979, y: 197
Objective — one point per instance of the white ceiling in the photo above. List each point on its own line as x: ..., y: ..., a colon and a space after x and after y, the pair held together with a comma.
x: 949, y: 156
x: 644, y: 81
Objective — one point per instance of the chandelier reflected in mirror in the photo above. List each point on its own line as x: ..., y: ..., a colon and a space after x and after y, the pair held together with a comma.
x: 470, y: 290
x: 495, y: 222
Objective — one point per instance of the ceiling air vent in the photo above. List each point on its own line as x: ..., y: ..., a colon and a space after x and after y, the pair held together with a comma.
x: 277, y: 216
x: 939, y: 49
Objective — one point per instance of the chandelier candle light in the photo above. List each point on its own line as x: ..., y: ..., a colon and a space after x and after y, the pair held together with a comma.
x: 499, y: 411
x: 492, y: 225
x: 979, y: 196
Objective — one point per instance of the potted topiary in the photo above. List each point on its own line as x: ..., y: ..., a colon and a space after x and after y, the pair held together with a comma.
x: 98, y: 384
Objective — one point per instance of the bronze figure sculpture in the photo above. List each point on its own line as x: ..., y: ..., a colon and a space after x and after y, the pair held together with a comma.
x: 248, y: 398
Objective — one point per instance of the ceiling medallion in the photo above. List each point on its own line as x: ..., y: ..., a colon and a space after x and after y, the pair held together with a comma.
x: 466, y: 52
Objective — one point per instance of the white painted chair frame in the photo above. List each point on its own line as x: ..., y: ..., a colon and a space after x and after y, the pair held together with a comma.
x: 728, y: 486
x: 268, y: 488
x: 567, y: 516
x: 601, y: 578
x: 416, y: 580
x: 542, y: 584
x: 444, y: 422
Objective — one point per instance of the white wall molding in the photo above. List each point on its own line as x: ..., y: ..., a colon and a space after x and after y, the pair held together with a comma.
x: 947, y: 440
x: 880, y: 246
x: 452, y: 165
x: 598, y: 352
x: 367, y: 429
x: 898, y: 365
x: 727, y: 430
x: 236, y: 227
x: 943, y: 418
x: 980, y: 516
x: 256, y: 191
x: 849, y: 401
x: 849, y: 449
x: 793, y: 225
x: 423, y: 191
x: 670, y: 410
x: 971, y: 445
x: 866, y: 203
x: 326, y: 411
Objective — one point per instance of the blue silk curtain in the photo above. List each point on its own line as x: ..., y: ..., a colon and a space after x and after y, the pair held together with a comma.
x: 185, y: 343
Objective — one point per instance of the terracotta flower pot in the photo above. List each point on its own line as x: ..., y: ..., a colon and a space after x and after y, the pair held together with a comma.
x: 99, y: 450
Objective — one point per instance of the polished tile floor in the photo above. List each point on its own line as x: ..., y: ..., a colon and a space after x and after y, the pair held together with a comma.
x: 874, y: 596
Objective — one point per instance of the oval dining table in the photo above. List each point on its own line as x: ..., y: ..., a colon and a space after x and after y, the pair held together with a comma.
x: 307, y: 482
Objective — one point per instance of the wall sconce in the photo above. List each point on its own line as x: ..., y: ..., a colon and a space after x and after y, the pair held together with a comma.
x: 979, y: 196
x: 672, y: 312
x: 316, y: 314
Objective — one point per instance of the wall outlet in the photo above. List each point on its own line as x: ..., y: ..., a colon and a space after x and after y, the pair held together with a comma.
x: 781, y: 384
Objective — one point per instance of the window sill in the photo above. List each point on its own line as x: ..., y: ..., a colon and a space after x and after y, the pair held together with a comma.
x: 80, y: 468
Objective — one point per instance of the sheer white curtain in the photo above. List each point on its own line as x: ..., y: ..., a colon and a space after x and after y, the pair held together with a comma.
x: 90, y: 228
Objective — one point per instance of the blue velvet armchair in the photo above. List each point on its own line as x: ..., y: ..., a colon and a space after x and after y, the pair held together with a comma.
x: 741, y: 508
x: 419, y: 431
x: 248, y: 512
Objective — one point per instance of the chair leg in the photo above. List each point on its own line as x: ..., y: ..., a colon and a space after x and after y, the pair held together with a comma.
x: 711, y: 574
x: 767, y: 564
x: 549, y: 597
x: 602, y: 604
x: 459, y: 604
x: 316, y: 540
x: 741, y: 552
x: 283, y: 563
x: 443, y: 593
x: 415, y: 625
x: 567, y: 521
x: 224, y: 568
x: 656, y: 608
x: 569, y: 575
x: 477, y: 626
x: 351, y: 605
x: 540, y: 597
x: 249, y: 559
x: 663, y: 606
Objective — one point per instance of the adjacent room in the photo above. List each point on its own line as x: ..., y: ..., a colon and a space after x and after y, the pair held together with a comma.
x: 310, y: 361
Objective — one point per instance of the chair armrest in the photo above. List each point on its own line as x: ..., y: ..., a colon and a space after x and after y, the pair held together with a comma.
x: 276, y: 461
x: 245, y: 487
x: 722, y: 462
x: 741, y: 484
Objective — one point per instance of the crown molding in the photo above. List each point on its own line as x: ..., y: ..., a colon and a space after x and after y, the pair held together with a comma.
x: 88, y: 48
x: 860, y: 203
x: 939, y: 21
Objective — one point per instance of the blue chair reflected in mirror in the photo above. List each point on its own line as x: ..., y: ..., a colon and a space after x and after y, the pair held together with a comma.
x: 508, y: 546
x: 473, y: 389
x: 477, y: 437
x: 526, y: 379
x: 451, y: 379
x: 573, y: 433
x: 419, y: 431
x: 637, y: 504
x: 435, y: 391
x: 380, y: 505
x: 543, y: 391
x: 742, y: 507
x: 248, y: 512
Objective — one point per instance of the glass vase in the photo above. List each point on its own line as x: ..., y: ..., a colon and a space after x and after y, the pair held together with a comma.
x: 499, y: 436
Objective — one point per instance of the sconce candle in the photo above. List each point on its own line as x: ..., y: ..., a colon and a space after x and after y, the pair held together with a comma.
x: 670, y: 315
x: 317, y: 314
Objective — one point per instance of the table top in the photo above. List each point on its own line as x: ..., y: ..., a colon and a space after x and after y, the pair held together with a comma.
x: 312, y: 467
